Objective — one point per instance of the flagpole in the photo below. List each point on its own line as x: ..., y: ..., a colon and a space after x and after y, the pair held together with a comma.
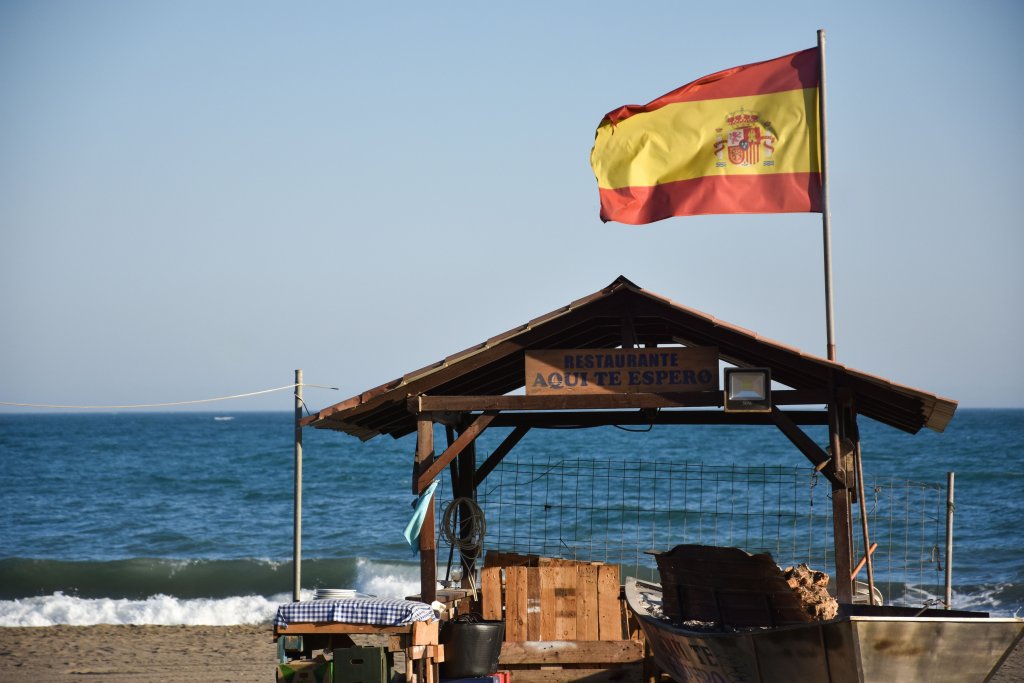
x: 830, y: 332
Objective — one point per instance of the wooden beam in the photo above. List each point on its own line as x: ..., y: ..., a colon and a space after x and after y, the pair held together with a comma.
x: 421, y: 404
x: 558, y: 420
x: 803, y: 443
x: 609, y: 673
x: 465, y: 438
x: 503, y: 449
x: 330, y: 627
x: 629, y: 339
x: 560, y: 652
x: 694, y: 399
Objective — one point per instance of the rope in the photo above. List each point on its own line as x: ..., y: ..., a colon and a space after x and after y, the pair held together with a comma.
x: 468, y: 534
x: 161, y: 405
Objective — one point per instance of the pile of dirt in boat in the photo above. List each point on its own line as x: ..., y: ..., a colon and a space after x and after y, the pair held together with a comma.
x: 811, y: 587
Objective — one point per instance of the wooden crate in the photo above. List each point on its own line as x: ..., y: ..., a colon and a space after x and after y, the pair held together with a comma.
x: 552, y: 599
x: 563, y: 618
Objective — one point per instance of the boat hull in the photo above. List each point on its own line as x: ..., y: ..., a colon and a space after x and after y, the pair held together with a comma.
x: 853, y: 649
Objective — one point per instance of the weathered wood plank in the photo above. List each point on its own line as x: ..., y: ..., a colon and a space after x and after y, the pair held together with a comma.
x: 559, y: 652
x: 515, y: 603
x: 565, y: 602
x: 586, y: 603
x: 632, y: 673
x: 609, y: 611
x: 497, y: 558
x: 491, y: 598
x: 726, y: 585
x: 425, y: 633
x: 555, y: 562
x: 330, y: 627
x: 548, y: 628
x: 534, y: 607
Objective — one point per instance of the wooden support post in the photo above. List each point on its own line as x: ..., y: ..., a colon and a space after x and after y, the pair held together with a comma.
x: 467, y: 489
x: 428, y: 545
x: 841, y: 530
x: 841, y: 522
x: 467, y: 468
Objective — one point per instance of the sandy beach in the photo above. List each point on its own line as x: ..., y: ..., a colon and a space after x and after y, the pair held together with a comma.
x: 166, y: 654
x: 146, y: 654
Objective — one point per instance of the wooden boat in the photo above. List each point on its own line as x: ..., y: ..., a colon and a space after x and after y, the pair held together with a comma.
x: 863, y: 644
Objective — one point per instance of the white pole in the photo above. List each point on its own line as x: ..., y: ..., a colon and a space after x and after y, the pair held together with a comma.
x: 950, y: 507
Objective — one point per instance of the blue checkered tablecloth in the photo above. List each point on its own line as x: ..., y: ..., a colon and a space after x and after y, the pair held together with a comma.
x: 377, y: 611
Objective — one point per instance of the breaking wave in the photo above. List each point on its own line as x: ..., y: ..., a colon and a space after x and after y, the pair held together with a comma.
x: 187, y: 592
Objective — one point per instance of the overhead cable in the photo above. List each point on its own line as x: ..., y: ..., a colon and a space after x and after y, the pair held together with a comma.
x: 161, y: 405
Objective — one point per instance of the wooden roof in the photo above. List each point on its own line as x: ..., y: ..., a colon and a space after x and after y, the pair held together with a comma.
x: 621, y: 313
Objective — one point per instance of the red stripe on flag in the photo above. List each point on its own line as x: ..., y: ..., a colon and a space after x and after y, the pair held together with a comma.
x: 795, y: 71
x: 782, y: 193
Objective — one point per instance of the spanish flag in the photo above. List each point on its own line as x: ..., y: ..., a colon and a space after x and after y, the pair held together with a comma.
x: 743, y: 140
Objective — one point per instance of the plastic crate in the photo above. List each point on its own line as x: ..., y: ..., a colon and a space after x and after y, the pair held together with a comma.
x: 361, y: 665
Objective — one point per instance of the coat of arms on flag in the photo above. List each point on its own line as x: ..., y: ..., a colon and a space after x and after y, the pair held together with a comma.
x: 744, y: 140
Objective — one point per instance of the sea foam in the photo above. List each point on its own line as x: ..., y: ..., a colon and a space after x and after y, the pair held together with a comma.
x: 58, y: 608
x: 382, y: 579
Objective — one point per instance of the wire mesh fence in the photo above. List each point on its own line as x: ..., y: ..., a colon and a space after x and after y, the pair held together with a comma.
x: 613, y: 511
x: 908, y: 522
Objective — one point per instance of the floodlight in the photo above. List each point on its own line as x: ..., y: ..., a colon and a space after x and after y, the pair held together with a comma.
x: 748, y: 390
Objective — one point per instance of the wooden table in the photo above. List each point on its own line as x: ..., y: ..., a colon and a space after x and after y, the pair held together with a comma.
x: 418, y: 641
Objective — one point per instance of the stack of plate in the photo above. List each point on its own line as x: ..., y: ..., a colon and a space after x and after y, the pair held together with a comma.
x: 333, y: 593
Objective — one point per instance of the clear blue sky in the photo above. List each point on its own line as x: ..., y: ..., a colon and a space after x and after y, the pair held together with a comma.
x: 196, y: 198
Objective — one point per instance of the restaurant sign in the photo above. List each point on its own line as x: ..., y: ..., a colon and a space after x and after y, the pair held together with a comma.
x: 622, y: 371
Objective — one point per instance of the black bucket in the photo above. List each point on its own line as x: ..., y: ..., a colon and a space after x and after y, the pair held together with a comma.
x: 471, y: 647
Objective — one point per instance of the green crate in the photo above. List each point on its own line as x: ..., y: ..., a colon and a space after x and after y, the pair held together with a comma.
x: 361, y: 665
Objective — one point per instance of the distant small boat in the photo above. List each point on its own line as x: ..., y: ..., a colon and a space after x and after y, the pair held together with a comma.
x: 223, y: 418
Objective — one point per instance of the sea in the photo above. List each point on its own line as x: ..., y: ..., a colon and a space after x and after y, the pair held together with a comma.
x: 188, y: 517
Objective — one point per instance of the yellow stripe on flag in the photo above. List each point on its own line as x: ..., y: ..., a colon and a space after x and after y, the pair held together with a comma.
x: 689, y: 140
